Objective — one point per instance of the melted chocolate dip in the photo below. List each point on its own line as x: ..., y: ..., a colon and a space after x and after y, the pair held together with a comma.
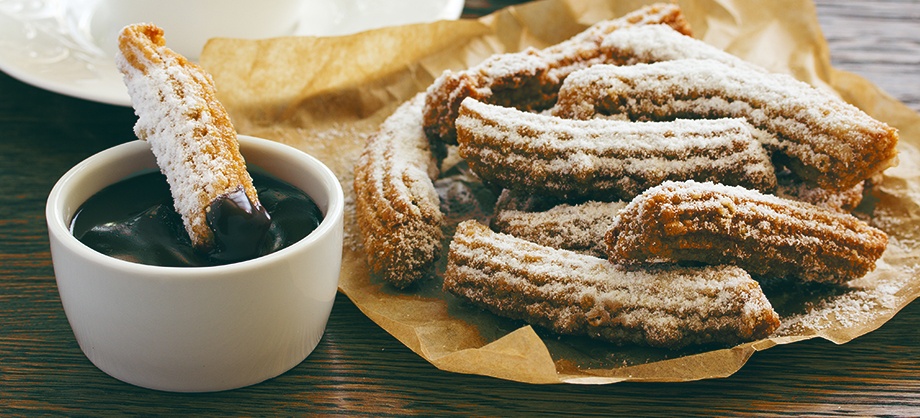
x: 134, y: 220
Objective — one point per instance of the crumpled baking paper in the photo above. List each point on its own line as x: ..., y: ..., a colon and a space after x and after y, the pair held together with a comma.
x: 325, y: 96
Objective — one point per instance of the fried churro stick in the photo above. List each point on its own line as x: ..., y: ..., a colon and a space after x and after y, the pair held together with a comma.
x: 606, y: 159
x: 653, y: 43
x: 188, y: 130
x: 763, y: 234
x: 396, y: 205
x: 531, y: 78
x: 575, y: 294
x: 579, y: 227
x: 824, y: 140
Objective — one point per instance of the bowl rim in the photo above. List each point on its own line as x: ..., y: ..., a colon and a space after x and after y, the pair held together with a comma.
x: 55, y: 212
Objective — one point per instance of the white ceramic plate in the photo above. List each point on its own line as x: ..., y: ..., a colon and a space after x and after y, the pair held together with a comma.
x: 60, y: 45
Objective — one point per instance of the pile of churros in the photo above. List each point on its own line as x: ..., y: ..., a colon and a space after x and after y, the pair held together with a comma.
x: 648, y: 182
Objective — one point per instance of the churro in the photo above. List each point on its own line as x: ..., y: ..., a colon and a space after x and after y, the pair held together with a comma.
x: 530, y: 79
x: 574, y: 227
x: 606, y: 159
x: 396, y: 205
x: 822, y: 139
x: 763, y: 234
x: 575, y: 294
x: 654, y: 43
x: 189, y: 132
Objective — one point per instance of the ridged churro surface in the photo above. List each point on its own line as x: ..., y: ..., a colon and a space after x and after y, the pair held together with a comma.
x: 574, y: 227
x: 397, y: 207
x: 606, y: 159
x: 763, y: 234
x: 575, y: 294
x: 653, y: 43
x: 188, y: 129
x: 530, y: 79
x: 824, y: 140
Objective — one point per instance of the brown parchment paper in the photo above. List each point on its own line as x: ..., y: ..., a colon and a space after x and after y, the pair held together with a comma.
x: 327, y: 95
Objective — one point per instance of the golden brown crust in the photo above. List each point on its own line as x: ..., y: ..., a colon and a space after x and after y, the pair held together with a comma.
x: 550, y: 166
x: 530, y: 79
x: 574, y: 227
x: 606, y: 159
x: 188, y: 129
x: 574, y: 294
x: 822, y: 139
x: 396, y: 205
x: 763, y: 234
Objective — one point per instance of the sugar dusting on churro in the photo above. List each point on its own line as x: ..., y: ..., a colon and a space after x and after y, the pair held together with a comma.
x: 192, y: 138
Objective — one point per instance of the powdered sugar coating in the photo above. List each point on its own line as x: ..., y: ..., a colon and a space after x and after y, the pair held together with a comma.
x: 840, y: 201
x: 531, y: 78
x: 857, y: 307
x: 575, y: 294
x: 188, y: 129
x: 824, y: 140
x: 764, y: 234
x: 654, y: 43
x: 396, y: 205
x: 579, y: 227
x: 606, y: 159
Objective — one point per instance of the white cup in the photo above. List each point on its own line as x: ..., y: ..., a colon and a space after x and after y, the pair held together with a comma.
x: 198, y: 329
x: 188, y: 24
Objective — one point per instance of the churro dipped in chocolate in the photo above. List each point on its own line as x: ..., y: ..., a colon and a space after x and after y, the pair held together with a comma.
x: 763, y: 234
x: 822, y: 139
x: 606, y: 159
x: 575, y: 294
x: 397, y: 207
x: 194, y: 143
x: 530, y: 79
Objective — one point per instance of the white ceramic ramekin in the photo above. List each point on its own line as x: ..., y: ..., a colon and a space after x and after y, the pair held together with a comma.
x: 197, y: 329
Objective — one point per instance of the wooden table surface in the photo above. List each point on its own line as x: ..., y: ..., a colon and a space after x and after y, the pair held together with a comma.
x: 359, y: 368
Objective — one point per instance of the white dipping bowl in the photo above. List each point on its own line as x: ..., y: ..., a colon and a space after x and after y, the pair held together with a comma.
x: 197, y: 329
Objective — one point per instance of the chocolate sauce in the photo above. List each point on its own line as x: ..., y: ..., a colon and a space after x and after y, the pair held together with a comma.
x: 240, y: 228
x: 134, y: 220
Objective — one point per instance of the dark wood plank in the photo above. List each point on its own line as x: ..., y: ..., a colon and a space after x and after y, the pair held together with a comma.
x: 877, y: 40
x: 359, y: 368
